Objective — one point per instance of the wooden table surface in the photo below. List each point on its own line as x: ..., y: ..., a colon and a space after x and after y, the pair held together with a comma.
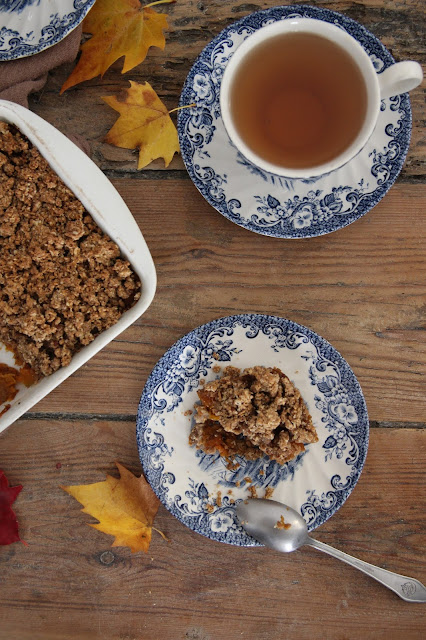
x: 362, y: 288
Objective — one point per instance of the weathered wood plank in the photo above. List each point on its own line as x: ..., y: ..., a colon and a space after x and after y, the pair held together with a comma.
x: 70, y: 584
x: 399, y: 25
x: 362, y: 288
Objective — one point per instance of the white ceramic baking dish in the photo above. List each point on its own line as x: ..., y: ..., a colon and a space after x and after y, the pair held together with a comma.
x: 108, y: 209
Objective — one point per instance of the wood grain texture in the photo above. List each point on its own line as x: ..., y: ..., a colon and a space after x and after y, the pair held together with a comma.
x: 69, y: 583
x: 400, y: 25
x: 363, y: 288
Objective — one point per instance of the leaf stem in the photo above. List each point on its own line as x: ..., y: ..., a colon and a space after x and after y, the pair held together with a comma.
x: 151, y: 4
x: 161, y: 533
x: 184, y: 106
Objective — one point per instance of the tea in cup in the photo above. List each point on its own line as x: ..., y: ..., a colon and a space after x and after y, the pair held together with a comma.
x: 300, y: 97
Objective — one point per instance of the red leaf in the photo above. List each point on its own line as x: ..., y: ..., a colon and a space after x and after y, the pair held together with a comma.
x: 8, y: 523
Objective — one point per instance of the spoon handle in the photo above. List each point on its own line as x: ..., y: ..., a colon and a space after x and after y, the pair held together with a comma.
x: 408, y: 589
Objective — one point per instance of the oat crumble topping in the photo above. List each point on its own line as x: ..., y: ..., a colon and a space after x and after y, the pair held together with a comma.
x: 252, y: 413
x: 62, y: 279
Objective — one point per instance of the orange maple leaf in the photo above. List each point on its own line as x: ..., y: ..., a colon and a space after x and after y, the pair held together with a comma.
x: 125, y: 508
x: 144, y: 124
x: 119, y: 28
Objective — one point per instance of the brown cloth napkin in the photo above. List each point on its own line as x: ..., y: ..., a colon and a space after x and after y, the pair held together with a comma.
x: 19, y: 78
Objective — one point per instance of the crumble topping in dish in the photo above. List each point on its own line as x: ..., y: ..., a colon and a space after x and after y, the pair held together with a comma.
x: 62, y: 279
x: 252, y: 413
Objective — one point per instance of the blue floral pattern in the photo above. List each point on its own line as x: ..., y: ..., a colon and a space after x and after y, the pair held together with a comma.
x: 273, y: 205
x: 16, y: 5
x: 30, y: 26
x: 201, y: 489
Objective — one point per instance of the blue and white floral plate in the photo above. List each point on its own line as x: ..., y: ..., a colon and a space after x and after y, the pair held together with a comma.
x: 30, y: 26
x: 199, y: 489
x: 266, y: 203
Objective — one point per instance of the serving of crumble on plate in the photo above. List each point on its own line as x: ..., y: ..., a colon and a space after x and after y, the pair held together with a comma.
x: 251, y: 413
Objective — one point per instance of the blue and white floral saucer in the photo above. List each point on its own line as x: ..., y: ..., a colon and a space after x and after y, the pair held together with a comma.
x: 201, y: 490
x: 266, y: 203
x: 30, y: 26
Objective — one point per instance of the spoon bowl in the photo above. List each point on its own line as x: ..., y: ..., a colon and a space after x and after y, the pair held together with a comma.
x: 273, y: 524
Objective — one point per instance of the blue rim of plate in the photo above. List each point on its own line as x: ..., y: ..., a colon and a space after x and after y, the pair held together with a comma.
x: 56, y: 28
x: 387, y: 164
x: 154, y: 448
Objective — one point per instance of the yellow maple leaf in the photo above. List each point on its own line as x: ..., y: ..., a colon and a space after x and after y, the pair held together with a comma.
x: 119, y: 28
x: 144, y: 124
x: 125, y: 508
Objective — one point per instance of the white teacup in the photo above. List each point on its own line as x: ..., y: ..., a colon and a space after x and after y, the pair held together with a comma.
x: 396, y: 79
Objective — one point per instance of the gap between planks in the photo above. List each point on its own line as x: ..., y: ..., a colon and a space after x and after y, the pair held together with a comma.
x: 128, y: 417
x: 182, y: 174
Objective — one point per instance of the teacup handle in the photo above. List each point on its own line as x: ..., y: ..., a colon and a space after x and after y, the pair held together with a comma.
x: 399, y: 78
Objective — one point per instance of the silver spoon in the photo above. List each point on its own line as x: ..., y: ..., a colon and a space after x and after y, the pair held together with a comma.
x: 282, y: 528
